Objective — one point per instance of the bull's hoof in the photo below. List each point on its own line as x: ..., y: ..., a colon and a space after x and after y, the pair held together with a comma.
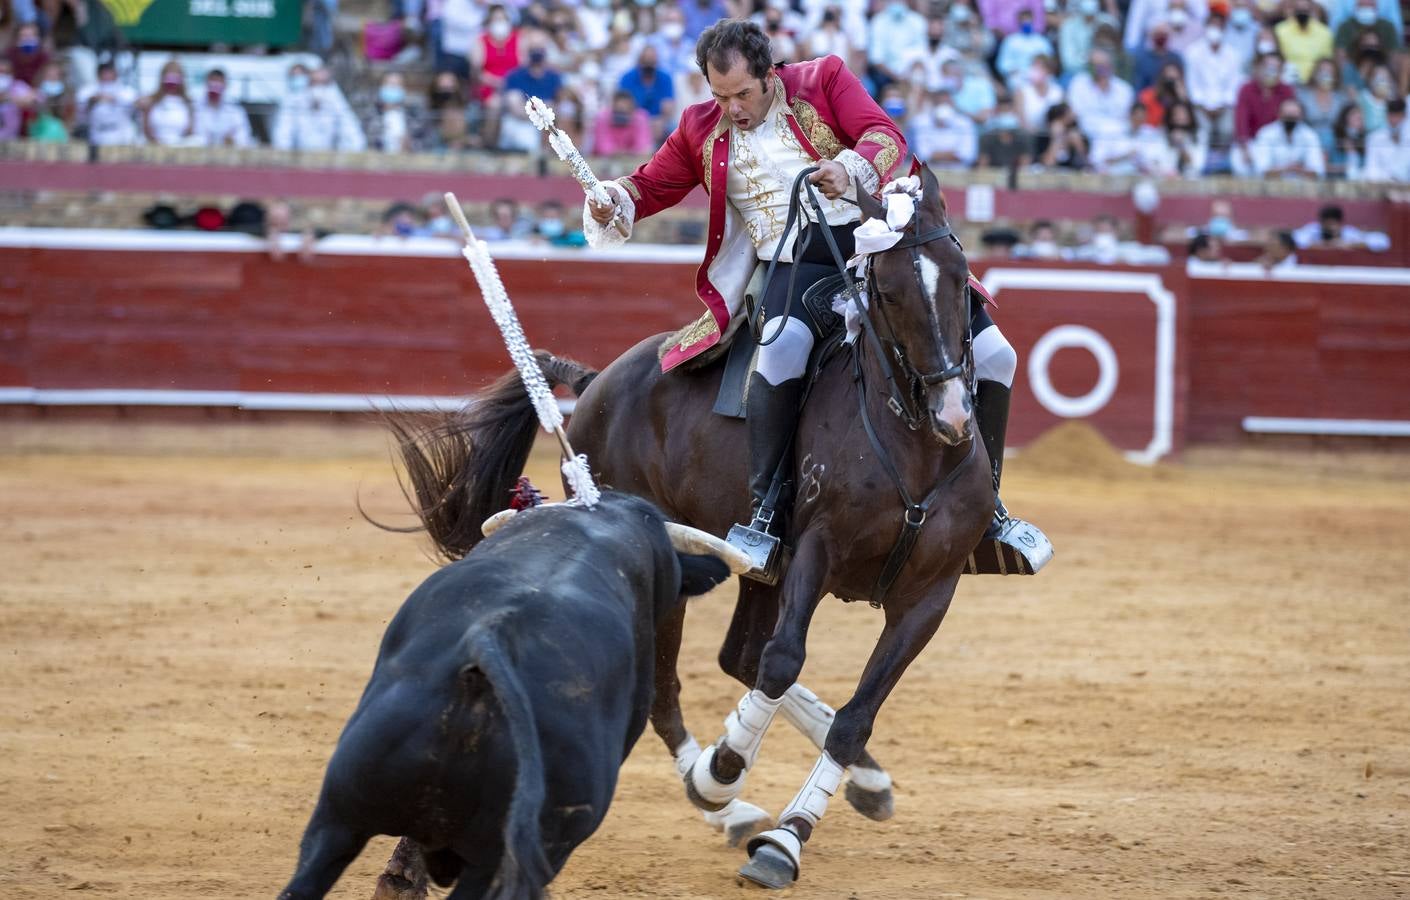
x: 769, y: 867
x: 405, y: 876
x: 875, y: 805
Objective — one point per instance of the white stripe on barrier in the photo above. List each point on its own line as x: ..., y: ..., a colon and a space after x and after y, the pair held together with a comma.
x: 270, y: 401
x: 1358, y: 427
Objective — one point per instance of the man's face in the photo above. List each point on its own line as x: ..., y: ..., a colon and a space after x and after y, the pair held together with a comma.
x: 1331, y: 228
x: 215, y: 86
x: 743, y: 98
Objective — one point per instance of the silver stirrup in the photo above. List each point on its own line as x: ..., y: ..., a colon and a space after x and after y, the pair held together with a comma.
x: 1019, y: 548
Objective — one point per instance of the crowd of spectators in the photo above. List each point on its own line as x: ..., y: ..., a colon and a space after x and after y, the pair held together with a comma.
x: 1293, y: 89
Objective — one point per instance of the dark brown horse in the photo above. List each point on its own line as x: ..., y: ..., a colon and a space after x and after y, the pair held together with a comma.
x: 887, y: 417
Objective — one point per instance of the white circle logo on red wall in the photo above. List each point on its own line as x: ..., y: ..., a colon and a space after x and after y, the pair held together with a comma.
x: 1060, y: 338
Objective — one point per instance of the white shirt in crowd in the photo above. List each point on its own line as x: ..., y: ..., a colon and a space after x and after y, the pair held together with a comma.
x: 1142, y: 152
x: 1034, y: 103
x: 169, y: 120
x: 110, y: 119
x: 896, y: 34
x: 1097, y: 109
x: 224, y: 124
x: 460, y: 25
x: 394, y: 129
x: 927, y: 65
x: 947, y: 131
x: 1213, y: 74
x: 1388, y: 154
x: 1272, y: 148
x: 317, y: 118
x: 1145, y: 13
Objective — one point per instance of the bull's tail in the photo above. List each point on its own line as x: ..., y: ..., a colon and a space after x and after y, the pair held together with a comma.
x: 461, y: 466
x: 524, y: 868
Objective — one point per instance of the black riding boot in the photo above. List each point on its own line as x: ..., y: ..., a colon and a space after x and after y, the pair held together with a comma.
x: 771, y: 414
x: 991, y: 411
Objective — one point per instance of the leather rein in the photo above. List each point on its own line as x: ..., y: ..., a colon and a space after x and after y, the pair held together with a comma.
x: 908, y: 405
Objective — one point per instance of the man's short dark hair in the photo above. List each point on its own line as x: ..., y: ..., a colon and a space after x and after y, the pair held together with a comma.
x: 1331, y: 211
x: 1395, y: 106
x: 216, y: 73
x: 1199, y: 243
x: 1286, y: 239
x: 721, y: 42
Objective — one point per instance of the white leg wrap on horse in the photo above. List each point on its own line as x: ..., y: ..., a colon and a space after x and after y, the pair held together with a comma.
x: 686, y: 754
x: 874, y: 780
x: 994, y: 357
x: 810, y: 802
x: 786, y: 356
x: 745, y: 727
x: 805, y: 712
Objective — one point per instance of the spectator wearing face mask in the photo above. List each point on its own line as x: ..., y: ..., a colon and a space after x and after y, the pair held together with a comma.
x: 1241, y: 32
x: 1257, y: 105
x: 553, y: 228
x: 652, y: 89
x: 1143, y: 14
x: 536, y: 78
x: 1188, y: 152
x: 1221, y: 223
x: 622, y: 128
x: 1288, y: 148
x: 506, y: 224
x: 778, y: 21
x: 674, y: 51
x: 1042, y: 243
x: 1005, y: 144
x: 829, y: 39
x: 1388, y: 148
x: 400, y: 220
x: 1348, y: 152
x: 1100, y: 100
x: 1155, y: 55
x: 496, y: 53
x: 16, y: 101
x: 54, y: 115
x: 1036, y: 93
x: 1322, y: 100
x: 1364, y: 17
x: 971, y: 88
x: 1303, y: 39
x: 1338, y: 11
x: 1139, y: 150
x: 895, y: 36
x: 27, y: 55
x: 1330, y: 231
x: 946, y: 138
x: 1104, y: 245
x: 930, y: 62
x: 313, y: 115
x: 456, y: 121
x: 168, y: 115
x: 396, y: 132
x: 1019, y: 48
x: 1376, y: 96
x: 220, y: 121
x: 106, y: 109
x: 1075, y: 33
x: 1213, y: 71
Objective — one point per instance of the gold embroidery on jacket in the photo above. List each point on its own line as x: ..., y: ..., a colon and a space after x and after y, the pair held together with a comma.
x: 626, y: 182
x: 819, y: 134
x: 887, y: 156
x: 697, y: 331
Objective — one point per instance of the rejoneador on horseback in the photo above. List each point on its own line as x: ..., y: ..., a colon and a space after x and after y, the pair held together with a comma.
x: 861, y: 355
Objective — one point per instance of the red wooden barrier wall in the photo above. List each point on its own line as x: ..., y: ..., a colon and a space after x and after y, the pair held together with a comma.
x: 373, y: 322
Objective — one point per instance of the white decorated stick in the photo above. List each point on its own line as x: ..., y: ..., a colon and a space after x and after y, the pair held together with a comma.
x: 575, y: 466
x: 543, y: 117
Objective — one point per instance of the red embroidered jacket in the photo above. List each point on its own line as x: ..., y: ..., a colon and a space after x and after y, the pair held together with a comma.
x: 828, y: 110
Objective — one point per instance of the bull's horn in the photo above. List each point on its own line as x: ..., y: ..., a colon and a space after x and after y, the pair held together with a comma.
x: 693, y: 540
x: 496, y: 521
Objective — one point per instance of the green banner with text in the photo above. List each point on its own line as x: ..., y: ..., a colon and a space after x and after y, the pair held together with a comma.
x: 200, y: 23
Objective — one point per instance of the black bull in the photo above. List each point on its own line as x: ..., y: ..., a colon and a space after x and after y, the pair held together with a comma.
x: 507, y: 692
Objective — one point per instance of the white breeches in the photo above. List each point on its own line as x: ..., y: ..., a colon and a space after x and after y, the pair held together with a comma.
x: 994, y: 357
x: 786, y: 357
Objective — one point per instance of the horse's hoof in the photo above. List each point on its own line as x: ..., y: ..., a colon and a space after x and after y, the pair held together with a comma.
x: 744, y: 821
x: 395, y: 887
x: 769, y: 867
x: 717, y: 795
x: 875, y: 805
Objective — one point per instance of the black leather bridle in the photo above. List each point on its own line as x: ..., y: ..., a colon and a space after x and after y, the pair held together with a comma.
x: 907, y: 404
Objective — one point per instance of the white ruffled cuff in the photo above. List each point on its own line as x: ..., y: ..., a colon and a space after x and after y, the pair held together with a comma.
x: 608, y: 235
x: 862, y: 175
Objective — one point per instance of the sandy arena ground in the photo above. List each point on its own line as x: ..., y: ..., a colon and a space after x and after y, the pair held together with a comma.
x: 1207, y: 694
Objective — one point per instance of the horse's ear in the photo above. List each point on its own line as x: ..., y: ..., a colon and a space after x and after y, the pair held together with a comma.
x: 871, y: 207
x: 934, y: 199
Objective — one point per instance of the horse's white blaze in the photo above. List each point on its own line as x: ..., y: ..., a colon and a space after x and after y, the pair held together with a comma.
x: 930, y: 280
x: 951, y: 408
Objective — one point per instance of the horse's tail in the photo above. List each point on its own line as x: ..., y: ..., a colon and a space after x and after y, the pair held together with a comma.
x: 524, y: 868
x: 461, y: 466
